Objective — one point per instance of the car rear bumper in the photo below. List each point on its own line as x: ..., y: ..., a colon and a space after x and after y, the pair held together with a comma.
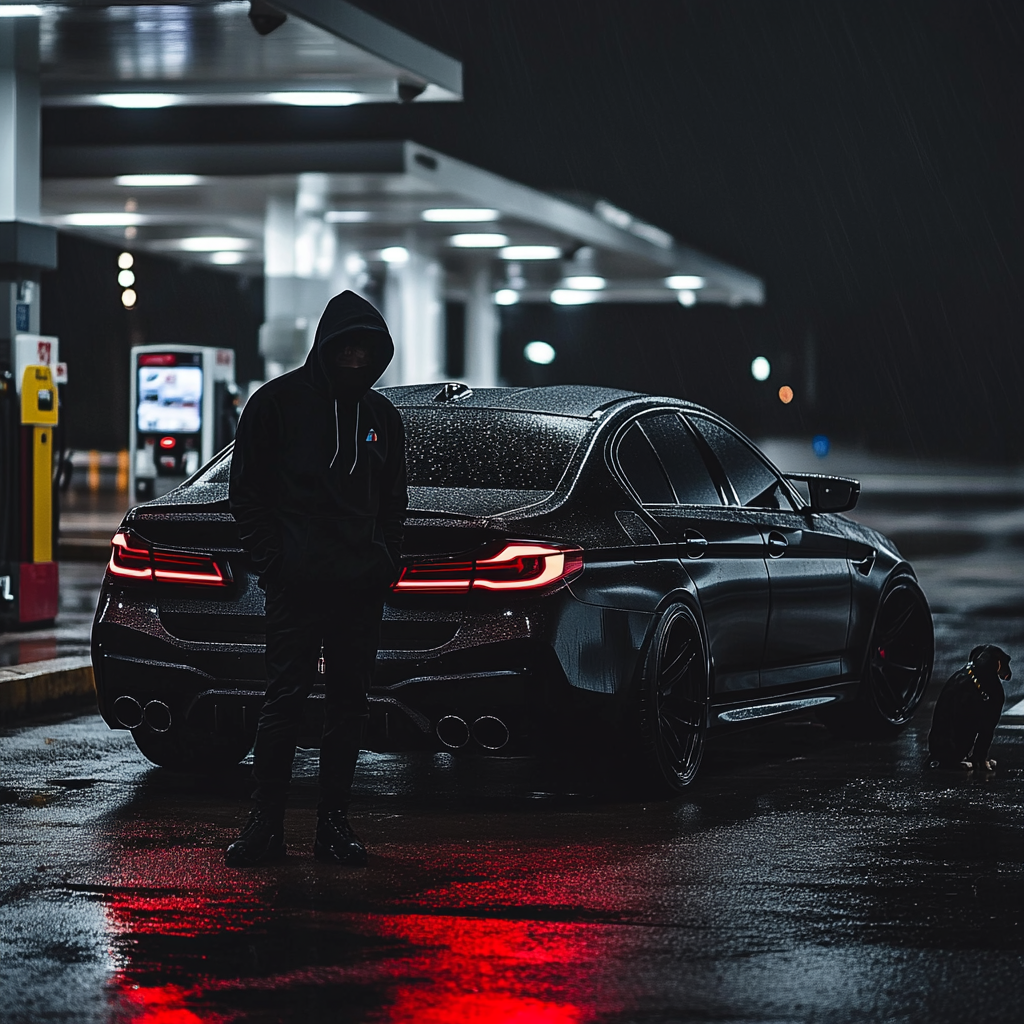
x: 493, y: 685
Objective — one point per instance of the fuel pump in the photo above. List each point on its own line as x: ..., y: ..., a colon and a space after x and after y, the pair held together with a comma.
x: 184, y: 409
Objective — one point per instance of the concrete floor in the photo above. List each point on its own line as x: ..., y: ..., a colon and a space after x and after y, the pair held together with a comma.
x: 802, y: 878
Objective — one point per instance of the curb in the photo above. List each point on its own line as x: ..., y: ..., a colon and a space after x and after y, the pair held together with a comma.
x: 44, y: 685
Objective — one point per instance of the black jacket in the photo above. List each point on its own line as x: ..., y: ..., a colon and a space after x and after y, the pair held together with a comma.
x: 318, y: 471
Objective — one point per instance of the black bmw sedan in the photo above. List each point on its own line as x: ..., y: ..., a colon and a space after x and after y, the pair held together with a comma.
x: 582, y: 565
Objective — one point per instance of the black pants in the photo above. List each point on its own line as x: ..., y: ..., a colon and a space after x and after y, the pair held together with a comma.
x: 348, y: 626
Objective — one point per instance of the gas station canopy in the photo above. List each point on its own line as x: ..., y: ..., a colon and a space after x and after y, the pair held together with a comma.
x: 146, y: 55
x: 208, y: 204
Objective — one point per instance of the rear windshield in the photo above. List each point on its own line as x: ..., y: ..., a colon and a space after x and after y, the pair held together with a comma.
x: 473, y: 449
x: 485, y: 449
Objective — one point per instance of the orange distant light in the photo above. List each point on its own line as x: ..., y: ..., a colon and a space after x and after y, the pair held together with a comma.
x: 785, y: 394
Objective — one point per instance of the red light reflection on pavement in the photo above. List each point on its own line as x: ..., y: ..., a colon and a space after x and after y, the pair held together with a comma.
x: 180, y: 893
x: 163, y: 1005
x: 487, y: 971
x: 168, y: 909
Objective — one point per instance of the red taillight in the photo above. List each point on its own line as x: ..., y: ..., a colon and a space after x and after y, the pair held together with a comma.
x: 142, y: 563
x: 128, y: 561
x: 519, y: 565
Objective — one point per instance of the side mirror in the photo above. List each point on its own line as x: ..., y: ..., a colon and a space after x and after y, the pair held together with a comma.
x: 829, y: 493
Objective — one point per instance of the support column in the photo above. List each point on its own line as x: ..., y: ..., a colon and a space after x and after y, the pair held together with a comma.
x: 482, y: 330
x: 28, y: 588
x: 298, y: 259
x: 414, y: 311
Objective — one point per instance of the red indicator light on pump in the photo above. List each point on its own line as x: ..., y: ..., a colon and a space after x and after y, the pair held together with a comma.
x: 167, y: 442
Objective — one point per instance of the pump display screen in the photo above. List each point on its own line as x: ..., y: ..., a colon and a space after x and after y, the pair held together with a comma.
x: 170, y: 399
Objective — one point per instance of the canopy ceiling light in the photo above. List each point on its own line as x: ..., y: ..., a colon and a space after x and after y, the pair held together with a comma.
x: 585, y: 282
x: 316, y: 99
x: 227, y: 258
x: 688, y: 282
x: 571, y: 297
x: 158, y: 180
x: 208, y: 243
x: 347, y: 216
x: 115, y: 219
x: 137, y: 100
x: 459, y: 216
x: 531, y: 252
x: 478, y: 241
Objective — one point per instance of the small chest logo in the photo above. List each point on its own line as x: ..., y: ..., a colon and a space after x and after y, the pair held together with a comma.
x: 372, y: 435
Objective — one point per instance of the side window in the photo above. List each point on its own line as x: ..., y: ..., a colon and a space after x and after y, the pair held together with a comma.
x: 642, y: 470
x: 684, y: 464
x: 756, y: 485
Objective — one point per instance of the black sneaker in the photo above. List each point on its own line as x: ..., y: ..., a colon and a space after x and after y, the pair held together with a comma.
x: 336, y: 842
x: 261, y: 841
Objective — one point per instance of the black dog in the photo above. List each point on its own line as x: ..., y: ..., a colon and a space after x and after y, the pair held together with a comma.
x: 967, y: 711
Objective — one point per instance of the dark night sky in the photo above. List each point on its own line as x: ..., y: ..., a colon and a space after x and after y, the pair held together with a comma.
x: 863, y: 158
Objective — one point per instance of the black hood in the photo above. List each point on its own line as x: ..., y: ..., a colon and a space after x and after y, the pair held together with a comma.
x: 346, y: 316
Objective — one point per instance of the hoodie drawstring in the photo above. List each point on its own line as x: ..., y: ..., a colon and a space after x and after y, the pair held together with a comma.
x: 356, y: 459
x: 337, y: 439
x: 337, y: 434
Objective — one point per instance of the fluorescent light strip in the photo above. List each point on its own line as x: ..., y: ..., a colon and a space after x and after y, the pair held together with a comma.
x: 687, y: 282
x: 531, y: 252
x: 459, y: 216
x: 347, y: 216
x: 478, y: 241
x: 101, y: 220
x: 215, y: 243
x: 138, y: 100
x: 585, y: 282
x: 157, y: 180
x: 570, y: 297
x: 315, y: 99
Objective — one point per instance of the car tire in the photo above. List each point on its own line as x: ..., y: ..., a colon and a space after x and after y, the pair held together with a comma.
x: 897, y: 666
x: 190, y: 752
x: 672, y: 703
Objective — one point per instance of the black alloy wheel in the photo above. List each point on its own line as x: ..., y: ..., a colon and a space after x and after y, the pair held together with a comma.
x: 673, y: 702
x: 900, y: 654
x: 191, y: 752
x: 897, y: 667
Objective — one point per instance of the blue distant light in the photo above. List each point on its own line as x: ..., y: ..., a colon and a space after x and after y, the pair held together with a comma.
x: 821, y: 445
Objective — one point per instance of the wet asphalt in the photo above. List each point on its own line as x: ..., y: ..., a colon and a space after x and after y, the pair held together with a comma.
x: 802, y: 878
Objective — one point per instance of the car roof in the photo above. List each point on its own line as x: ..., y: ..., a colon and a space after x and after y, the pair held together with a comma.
x: 578, y: 400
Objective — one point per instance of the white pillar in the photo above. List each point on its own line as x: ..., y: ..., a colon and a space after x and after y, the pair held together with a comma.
x: 19, y: 119
x: 299, y: 256
x: 482, y: 330
x: 414, y: 311
x: 27, y: 247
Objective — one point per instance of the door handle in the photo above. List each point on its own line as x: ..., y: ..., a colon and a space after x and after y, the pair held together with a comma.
x: 694, y: 544
x: 777, y: 544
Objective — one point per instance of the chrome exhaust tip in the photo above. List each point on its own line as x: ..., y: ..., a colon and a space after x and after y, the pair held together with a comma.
x: 452, y: 731
x: 158, y: 716
x: 128, y: 711
x: 490, y: 732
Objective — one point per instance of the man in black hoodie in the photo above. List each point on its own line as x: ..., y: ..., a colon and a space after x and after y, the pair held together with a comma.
x: 318, y: 490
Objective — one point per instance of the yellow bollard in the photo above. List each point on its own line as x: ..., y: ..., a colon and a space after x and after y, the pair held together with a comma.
x: 122, y: 470
x: 94, y: 472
